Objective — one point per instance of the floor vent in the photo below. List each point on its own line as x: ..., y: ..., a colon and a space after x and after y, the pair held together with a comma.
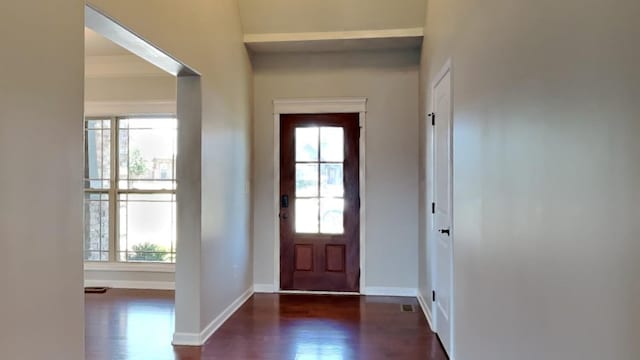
x: 407, y: 308
x: 95, y: 290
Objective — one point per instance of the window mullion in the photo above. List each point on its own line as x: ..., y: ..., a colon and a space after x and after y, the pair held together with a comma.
x: 113, y: 192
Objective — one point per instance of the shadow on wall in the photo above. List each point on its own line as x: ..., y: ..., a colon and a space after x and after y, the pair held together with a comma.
x: 343, y: 61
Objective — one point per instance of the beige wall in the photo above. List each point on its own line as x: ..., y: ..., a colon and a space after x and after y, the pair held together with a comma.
x: 41, y: 180
x: 130, y: 89
x: 285, y: 16
x: 207, y: 36
x: 390, y: 82
x: 546, y: 175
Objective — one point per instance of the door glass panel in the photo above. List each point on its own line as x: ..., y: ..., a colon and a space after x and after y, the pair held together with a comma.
x: 331, y: 180
x: 307, y: 180
x: 332, y: 144
x: 319, y: 157
x: 306, y: 216
x: 331, y: 216
x: 307, y: 144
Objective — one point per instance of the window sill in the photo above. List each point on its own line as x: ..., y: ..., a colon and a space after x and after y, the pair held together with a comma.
x: 135, y: 267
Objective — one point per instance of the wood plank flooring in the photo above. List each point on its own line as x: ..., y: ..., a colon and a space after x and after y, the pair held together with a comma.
x: 138, y: 324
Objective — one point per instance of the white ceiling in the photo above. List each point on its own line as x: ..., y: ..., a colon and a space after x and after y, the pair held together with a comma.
x: 97, y: 45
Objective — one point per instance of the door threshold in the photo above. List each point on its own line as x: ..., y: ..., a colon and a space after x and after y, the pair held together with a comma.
x: 310, y: 292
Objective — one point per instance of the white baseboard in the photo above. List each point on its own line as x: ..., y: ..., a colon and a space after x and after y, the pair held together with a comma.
x: 191, y: 339
x: 125, y: 284
x: 425, y: 309
x: 264, y: 288
x: 373, y: 291
x: 309, y: 292
x: 389, y: 291
x: 186, y: 339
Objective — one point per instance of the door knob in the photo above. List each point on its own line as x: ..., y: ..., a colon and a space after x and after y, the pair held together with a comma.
x: 444, y: 231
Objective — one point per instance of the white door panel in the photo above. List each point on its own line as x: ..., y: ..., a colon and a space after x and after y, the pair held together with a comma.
x: 442, y: 220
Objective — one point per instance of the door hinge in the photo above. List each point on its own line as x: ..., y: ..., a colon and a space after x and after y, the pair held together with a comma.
x: 433, y: 296
x: 433, y: 119
x: 433, y: 208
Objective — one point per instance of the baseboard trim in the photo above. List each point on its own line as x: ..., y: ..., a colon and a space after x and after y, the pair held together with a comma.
x: 390, y: 291
x: 371, y: 291
x: 125, y: 284
x: 426, y: 310
x: 186, y: 339
x: 264, y: 288
x: 224, y: 316
x: 191, y: 339
x: 307, y: 292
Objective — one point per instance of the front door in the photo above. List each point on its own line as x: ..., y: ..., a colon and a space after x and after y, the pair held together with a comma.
x: 319, y: 202
x: 442, y: 214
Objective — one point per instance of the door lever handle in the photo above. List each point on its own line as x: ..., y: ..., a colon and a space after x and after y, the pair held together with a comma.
x: 444, y: 231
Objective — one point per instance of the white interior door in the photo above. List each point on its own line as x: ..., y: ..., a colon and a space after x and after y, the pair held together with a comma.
x: 443, y: 252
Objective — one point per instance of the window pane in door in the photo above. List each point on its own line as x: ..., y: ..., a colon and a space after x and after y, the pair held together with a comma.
x: 332, y: 144
x: 307, y: 216
x: 306, y: 144
x: 331, y: 216
x: 306, y: 180
x: 147, y: 150
x: 331, y: 180
x: 147, y: 227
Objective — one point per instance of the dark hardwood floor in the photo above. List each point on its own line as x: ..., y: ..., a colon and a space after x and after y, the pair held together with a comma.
x: 138, y: 324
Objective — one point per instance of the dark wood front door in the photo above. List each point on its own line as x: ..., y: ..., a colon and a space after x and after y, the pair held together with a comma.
x: 319, y: 202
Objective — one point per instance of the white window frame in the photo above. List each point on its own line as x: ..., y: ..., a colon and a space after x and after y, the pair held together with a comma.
x: 113, y: 264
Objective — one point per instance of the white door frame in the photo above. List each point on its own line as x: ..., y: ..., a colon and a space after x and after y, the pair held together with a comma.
x: 431, y: 226
x: 317, y: 106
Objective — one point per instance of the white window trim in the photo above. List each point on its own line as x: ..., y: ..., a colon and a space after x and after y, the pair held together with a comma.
x: 319, y: 106
x: 129, y: 267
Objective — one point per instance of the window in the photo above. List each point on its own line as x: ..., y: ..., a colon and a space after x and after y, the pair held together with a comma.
x: 319, y: 180
x: 130, y: 189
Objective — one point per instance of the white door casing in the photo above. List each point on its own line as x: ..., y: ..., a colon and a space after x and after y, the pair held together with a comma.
x: 442, y: 231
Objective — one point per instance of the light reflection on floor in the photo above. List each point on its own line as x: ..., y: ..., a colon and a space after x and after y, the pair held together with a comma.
x: 131, y: 325
x: 320, y: 340
x: 149, y: 325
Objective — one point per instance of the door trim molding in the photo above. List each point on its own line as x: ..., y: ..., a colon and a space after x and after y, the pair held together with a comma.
x: 318, y: 106
x: 447, y: 68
